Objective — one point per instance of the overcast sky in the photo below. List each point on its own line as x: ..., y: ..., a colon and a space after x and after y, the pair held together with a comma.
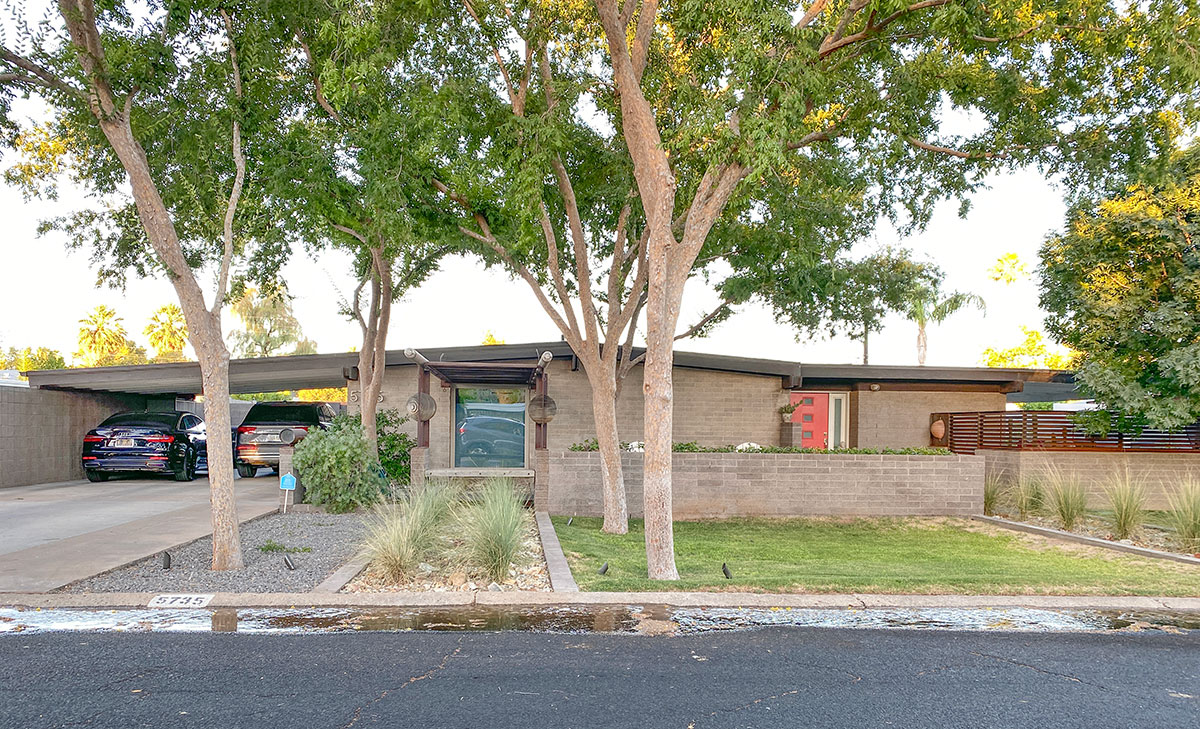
x: 46, y: 289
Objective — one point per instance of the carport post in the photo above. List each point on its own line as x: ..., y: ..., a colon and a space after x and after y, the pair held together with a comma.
x: 423, y: 389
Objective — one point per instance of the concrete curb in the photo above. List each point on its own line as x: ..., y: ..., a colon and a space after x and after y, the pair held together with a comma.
x: 1090, y: 541
x: 340, y: 578
x: 501, y: 600
x: 561, y: 579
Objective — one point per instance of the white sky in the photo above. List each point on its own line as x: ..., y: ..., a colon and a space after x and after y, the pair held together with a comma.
x: 46, y: 290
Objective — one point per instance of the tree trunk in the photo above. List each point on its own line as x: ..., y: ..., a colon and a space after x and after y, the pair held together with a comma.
x: 604, y: 409
x: 866, y: 334
x: 657, y: 387
x: 922, y: 345
x: 214, y: 373
x: 371, y: 389
x: 204, y: 332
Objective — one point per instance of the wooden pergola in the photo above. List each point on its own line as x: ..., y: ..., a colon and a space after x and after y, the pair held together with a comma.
x: 481, y: 373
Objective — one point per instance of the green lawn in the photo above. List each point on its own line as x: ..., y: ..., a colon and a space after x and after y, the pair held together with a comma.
x: 865, y: 555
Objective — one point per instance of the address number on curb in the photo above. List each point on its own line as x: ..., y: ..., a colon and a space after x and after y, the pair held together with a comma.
x: 178, y: 601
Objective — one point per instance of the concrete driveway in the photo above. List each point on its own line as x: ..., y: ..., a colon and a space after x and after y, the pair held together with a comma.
x: 55, y: 534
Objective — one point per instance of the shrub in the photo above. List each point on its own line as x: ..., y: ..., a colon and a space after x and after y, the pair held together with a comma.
x: 1027, y: 496
x: 1127, y: 499
x: 394, y: 445
x: 1183, y: 513
x: 993, y: 490
x: 491, y: 527
x: 337, y: 468
x: 1066, y: 497
x: 403, y: 532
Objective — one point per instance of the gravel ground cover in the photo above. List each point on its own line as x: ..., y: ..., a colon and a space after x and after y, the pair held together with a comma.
x: 529, y: 573
x: 317, y: 544
x: 1150, y: 536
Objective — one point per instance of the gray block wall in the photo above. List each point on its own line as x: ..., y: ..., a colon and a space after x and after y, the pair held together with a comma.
x: 1158, y: 473
x: 724, y: 485
x: 41, y: 431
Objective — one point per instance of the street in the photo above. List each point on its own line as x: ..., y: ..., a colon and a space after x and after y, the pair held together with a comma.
x: 777, y: 677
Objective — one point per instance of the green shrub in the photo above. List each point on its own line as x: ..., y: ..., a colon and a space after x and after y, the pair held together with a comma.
x: 1127, y: 499
x: 1027, y: 496
x: 394, y: 445
x: 993, y: 490
x: 1066, y: 498
x: 491, y: 528
x: 337, y: 468
x: 1183, y: 513
x: 403, y: 532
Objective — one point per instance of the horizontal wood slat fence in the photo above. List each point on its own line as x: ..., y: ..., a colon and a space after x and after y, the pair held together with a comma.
x: 965, y: 433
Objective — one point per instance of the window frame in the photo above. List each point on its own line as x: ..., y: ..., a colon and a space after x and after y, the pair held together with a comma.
x: 528, y: 440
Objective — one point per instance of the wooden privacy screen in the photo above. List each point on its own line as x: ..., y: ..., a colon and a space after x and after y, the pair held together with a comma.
x: 965, y: 433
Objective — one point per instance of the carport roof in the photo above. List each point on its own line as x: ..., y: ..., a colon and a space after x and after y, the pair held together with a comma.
x: 293, y: 372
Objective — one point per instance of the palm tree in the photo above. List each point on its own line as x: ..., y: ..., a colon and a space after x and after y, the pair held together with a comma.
x: 168, y: 333
x: 925, y: 306
x: 100, y: 334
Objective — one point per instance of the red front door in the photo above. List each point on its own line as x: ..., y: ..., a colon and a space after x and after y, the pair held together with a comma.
x: 812, y: 415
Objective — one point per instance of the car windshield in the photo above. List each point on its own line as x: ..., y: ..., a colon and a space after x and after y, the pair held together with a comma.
x: 282, y: 413
x: 144, y: 420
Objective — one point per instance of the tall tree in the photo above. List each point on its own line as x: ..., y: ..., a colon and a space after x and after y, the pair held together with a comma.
x: 1032, y: 352
x: 176, y: 108
x: 101, y: 335
x: 29, y: 358
x: 712, y: 96
x: 926, y: 305
x: 167, y: 332
x: 1122, y: 287
x: 359, y: 158
x: 268, y: 325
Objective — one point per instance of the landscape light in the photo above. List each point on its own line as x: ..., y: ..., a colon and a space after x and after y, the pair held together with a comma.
x: 603, y: 569
x: 166, y: 561
x: 726, y: 572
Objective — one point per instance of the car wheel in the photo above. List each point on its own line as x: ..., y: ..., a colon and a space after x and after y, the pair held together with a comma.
x: 245, y: 470
x: 96, y: 476
x: 187, y: 472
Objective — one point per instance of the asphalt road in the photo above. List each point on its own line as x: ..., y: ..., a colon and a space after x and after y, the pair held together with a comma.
x: 780, y: 677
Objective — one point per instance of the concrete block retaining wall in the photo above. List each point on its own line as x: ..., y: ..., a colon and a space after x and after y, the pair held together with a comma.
x: 1158, y: 473
x: 724, y: 485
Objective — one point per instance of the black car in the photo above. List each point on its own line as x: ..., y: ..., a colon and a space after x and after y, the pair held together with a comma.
x: 257, y: 439
x: 486, y: 441
x: 170, y: 442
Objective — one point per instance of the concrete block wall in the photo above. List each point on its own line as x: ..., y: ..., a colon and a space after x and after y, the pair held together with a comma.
x: 1159, y: 473
x: 41, y: 431
x: 711, y: 408
x: 724, y: 485
x: 900, y: 418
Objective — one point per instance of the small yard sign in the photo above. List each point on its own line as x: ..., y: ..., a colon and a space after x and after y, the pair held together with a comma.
x: 180, y: 601
x: 287, y: 482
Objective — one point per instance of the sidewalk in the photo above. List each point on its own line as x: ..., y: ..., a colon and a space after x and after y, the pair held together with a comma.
x: 583, y: 599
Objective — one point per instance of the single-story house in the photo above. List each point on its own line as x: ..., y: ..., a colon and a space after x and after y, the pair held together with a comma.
x: 518, y: 409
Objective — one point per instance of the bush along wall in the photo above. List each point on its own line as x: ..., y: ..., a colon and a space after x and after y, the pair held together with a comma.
x: 693, y: 447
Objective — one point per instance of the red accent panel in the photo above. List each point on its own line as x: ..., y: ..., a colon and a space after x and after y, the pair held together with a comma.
x: 814, y: 433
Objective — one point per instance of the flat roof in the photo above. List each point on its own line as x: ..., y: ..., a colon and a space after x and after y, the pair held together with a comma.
x: 269, y: 374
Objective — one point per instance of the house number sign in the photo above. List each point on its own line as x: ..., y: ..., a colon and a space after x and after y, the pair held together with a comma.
x: 180, y: 601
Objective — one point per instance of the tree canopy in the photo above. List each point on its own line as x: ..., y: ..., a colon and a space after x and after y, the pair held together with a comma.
x: 1122, y: 286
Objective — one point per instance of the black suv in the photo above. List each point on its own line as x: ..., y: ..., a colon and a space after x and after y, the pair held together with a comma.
x: 257, y: 441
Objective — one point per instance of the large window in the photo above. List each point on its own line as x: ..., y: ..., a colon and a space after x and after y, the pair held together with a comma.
x: 489, y: 427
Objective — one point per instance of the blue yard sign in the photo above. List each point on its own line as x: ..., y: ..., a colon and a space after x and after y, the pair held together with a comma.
x: 287, y: 482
